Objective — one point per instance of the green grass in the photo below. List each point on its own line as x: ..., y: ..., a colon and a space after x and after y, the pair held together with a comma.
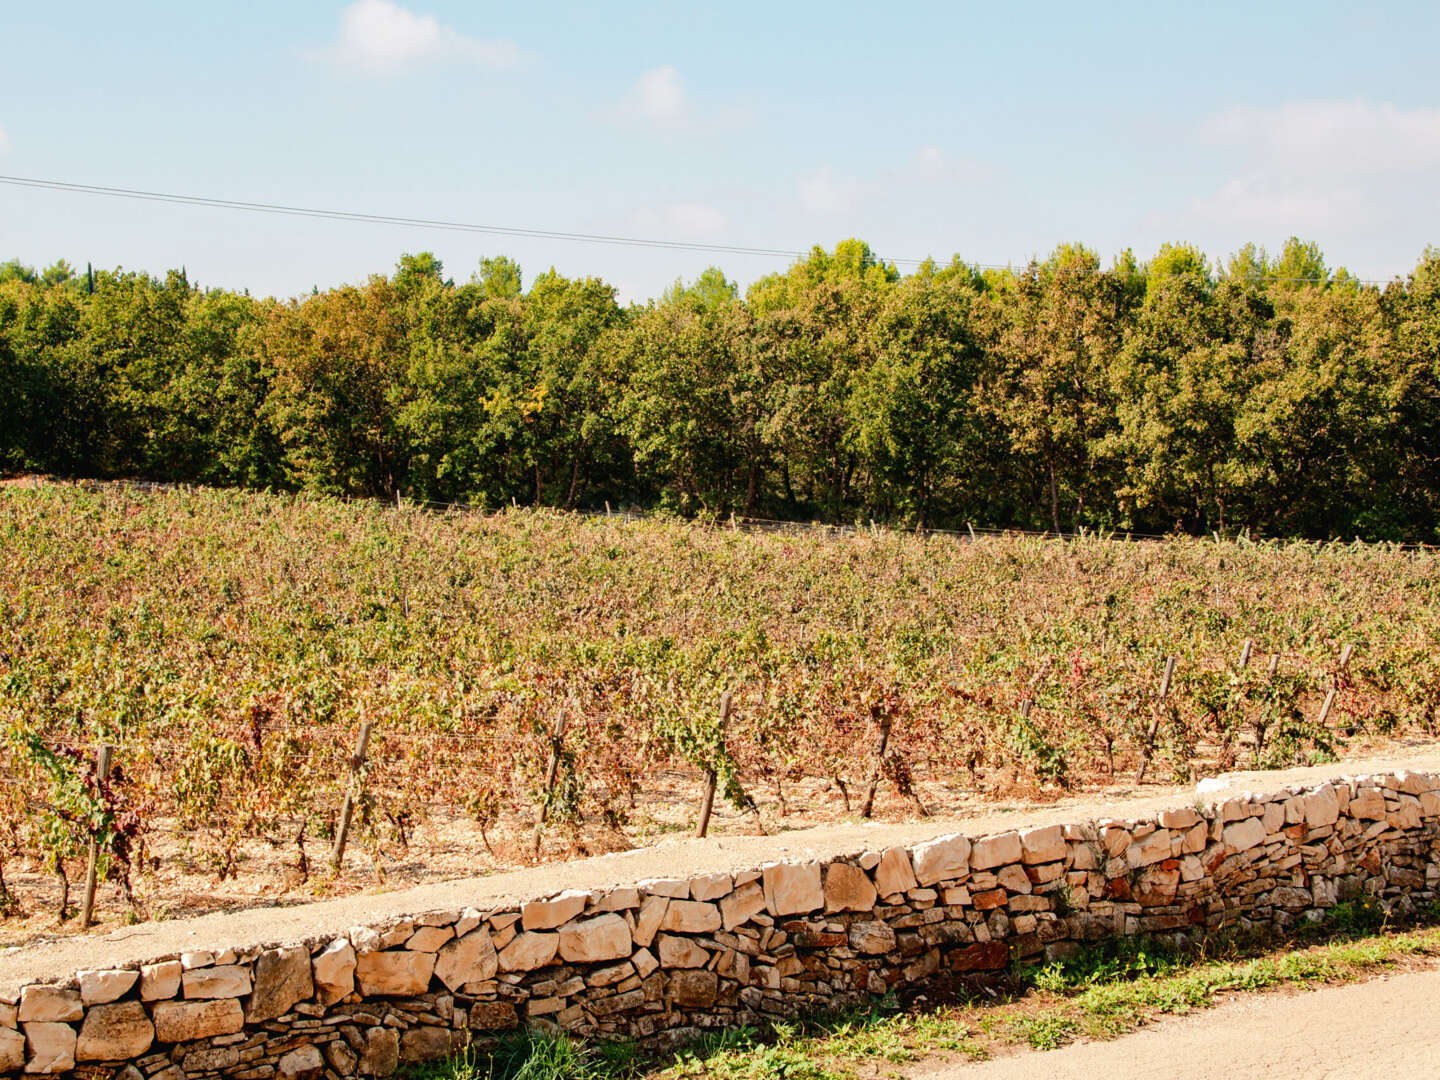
x: 1101, y: 992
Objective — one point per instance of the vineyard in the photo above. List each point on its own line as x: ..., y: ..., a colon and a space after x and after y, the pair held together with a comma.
x: 528, y: 667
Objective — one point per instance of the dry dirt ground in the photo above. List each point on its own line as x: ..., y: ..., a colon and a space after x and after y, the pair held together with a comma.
x: 61, y: 956
x: 179, y: 881
x: 1386, y: 1027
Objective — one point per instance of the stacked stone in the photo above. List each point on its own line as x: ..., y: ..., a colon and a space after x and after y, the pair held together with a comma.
x: 663, y: 958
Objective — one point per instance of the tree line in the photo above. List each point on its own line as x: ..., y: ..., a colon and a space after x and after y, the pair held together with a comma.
x: 1262, y: 392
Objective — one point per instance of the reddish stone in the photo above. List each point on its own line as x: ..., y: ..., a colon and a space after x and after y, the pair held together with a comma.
x: 984, y: 901
x: 1294, y: 832
x: 983, y: 956
x: 1117, y: 888
x: 1197, y: 916
x: 1169, y: 864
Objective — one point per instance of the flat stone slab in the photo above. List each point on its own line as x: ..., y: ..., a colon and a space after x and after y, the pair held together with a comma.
x: 688, y: 859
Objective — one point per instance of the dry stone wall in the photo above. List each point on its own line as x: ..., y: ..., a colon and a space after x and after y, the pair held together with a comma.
x: 662, y: 958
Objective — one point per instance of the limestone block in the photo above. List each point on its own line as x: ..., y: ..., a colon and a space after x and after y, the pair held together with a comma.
x: 302, y: 1063
x: 472, y: 958
x: 115, y: 1032
x: 160, y: 981
x: 427, y: 1043
x: 871, y: 938
x: 50, y: 1047
x: 469, y: 919
x: 49, y: 1004
x: 365, y: 939
x: 894, y: 873
x: 1416, y: 783
x: 710, y: 887
x: 694, y: 989
x: 381, y: 1056
x: 1368, y: 803
x: 1274, y: 817
x: 744, y: 902
x: 1183, y: 818
x: 793, y: 888
x: 1195, y: 839
x: 1116, y: 840
x: 652, y: 912
x: 1150, y: 849
x: 945, y: 857
x: 1156, y: 886
x: 183, y: 1021
x: 1243, y: 835
x: 1430, y: 804
x: 493, y: 1016
x: 848, y: 888
x: 1407, y: 815
x: 1322, y: 807
x: 992, y: 851
x: 227, y: 981
x: 645, y: 962
x: 12, y: 1050
x: 1042, y: 845
x: 690, y: 917
x: 429, y: 938
x: 334, y: 971
x: 282, y: 978
x: 396, y: 972
x: 101, y: 987
x: 680, y: 952
x: 529, y: 951
x: 605, y: 937
x: 619, y: 900
x: 1014, y: 879
x: 548, y: 914
x: 1291, y: 898
x: 673, y: 888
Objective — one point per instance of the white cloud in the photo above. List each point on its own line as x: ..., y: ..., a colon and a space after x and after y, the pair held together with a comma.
x: 827, y: 194
x: 684, y: 218
x: 659, y: 98
x: 1320, y: 164
x: 379, y: 37
x: 927, y: 178
x: 1351, y: 137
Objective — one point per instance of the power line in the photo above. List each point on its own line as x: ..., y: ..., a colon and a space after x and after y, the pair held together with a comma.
x: 498, y: 230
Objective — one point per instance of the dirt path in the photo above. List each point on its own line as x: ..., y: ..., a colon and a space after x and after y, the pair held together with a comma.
x: 62, y: 957
x: 1388, y: 1027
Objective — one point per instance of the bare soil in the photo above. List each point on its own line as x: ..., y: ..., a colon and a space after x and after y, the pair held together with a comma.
x: 285, y: 916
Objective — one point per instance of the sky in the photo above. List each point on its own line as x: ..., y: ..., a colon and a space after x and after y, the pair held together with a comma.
x: 991, y: 131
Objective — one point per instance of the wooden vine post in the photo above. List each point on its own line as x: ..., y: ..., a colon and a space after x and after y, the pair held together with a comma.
x: 92, y: 863
x: 1154, y: 731
x: 877, y: 763
x: 347, y: 808
x: 707, y: 798
x: 1345, y: 654
x: 552, y: 773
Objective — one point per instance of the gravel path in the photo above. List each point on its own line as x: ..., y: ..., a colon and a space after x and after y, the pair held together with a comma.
x: 1388, y: 1027
x: 61, y: 958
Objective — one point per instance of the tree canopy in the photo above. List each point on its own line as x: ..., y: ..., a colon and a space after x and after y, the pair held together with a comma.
x: 1184, y: 392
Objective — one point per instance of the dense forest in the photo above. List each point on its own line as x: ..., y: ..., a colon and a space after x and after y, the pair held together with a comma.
x: 1262, y: 393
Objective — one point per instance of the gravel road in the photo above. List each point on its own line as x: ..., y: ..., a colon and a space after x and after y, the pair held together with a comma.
x: 1387, y: 1027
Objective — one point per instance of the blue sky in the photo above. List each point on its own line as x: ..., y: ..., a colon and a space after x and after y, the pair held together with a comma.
x: 993, y: 131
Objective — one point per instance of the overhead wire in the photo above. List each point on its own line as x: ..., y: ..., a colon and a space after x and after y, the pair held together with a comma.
x: 513, y: 231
